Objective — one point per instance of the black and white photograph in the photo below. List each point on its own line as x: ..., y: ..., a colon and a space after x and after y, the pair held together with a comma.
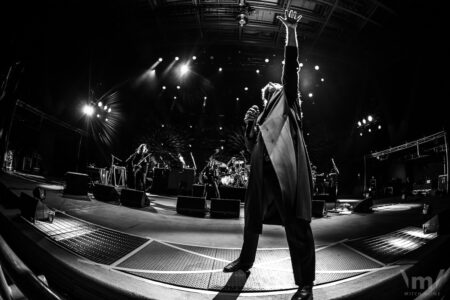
x: 224, y: 150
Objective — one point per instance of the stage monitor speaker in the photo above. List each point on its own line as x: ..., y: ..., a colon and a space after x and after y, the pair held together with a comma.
x: 365, y: 206
x: 34, y: 209
x: 133, y: 198
x: 106, y: 193
x: 319, y: 209
x: 225, y: 208
x: 76, y: 184
x: 195, y: 206
x: 198, y: 190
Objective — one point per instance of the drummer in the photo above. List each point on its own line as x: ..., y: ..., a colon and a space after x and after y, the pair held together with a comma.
x: 231, y: 165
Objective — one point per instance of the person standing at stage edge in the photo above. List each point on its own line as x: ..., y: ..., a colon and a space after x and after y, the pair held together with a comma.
x: 280, y: 183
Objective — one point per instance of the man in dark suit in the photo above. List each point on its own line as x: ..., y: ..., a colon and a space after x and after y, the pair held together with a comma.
x: 280, y: 183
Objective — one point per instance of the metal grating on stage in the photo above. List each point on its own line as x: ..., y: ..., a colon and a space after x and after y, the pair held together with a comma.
x: 90, y: 241
x: 390, y: 247
x: 200, y: 267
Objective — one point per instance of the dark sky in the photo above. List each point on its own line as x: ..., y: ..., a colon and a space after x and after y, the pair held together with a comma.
x: 397, y: 73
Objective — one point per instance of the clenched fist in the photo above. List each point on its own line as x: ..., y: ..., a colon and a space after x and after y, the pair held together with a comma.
x: 251, y: 114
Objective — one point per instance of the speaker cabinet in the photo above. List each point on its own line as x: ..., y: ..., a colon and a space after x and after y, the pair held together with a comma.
x: 33, y: 209
x: 195, y: 206
x: 365, y: 206
x: 319, y: 209
x: 106, y: 193
x: 225, y: 208
x: 133, y: 198
x: 76, y: 184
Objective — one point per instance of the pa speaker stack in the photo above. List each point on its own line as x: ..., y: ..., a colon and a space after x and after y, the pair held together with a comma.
x: 77, y: 184
x: 225, y: 208
x: 133, y: 198
x: 195, y: 206
x: 106, y: 193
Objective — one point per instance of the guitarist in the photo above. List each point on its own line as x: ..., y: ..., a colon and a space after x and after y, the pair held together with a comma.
x: 139, y: 162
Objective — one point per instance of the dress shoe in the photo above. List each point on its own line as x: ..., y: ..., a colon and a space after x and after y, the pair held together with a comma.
x: 236, y: 266
x: 303, y: 293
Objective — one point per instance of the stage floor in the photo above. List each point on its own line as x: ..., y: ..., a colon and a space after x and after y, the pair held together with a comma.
x: 158, y: 245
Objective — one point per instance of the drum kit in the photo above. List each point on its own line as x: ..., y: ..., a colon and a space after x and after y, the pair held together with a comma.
x: 231, y: 175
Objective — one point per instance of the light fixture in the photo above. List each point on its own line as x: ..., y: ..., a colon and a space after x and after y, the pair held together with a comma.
x: 310, y: 95
x: 369, y: 118
x: 88, y: 110
x: 359, y: 123
x: 266, y: 60
x: 160, y: 59
x: 177, y: 58
x: 242, y: 19
x: 100, y: 104
x: 220, y: 69
x: 184, y: 69
x: 194, y: 57
x: 316, y: 67
x: 163, y: 87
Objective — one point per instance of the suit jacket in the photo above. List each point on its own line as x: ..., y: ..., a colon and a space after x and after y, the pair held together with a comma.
x: 281, y: 136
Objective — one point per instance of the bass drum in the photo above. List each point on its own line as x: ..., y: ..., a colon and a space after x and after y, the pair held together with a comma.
x: 227, y: 180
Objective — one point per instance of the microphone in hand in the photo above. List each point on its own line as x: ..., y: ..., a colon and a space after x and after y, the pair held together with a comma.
x: 250, y: 119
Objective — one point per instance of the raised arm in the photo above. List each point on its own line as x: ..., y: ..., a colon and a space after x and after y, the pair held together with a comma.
x: 290, y: 72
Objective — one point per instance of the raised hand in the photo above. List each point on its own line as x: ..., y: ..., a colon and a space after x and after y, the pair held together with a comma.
x: 291, y: 19
x: 252, y: 114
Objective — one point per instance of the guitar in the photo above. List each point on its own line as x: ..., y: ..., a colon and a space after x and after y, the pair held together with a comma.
x: 137, y: 167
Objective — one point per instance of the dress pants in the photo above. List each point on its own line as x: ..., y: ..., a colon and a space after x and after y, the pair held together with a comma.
x: 298, y: 233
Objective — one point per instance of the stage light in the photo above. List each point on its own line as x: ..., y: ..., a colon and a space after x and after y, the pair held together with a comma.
x: 178, y: 87
x: 184, y: 69
x: 360, y: 134
x: 163, y: 87
x: 246, y: 89
x: 359, y: 124
x: 109, y: 109
x: 190, y: 146
x: 237, y: 98
x: 211, y: 57
x: 190, y: 126
x: 174, y: 97
x: 205, y: 97
x: 282, y: 62
x: 100, y: 104
x: 105, y: 107
x: 301, y: 65
x: 370, y: 118
x: 322, y: 79
x: 379, y: 127
x: 370, y: 130
x: 257, y: 71
x: 106, y: 119
x: 310, y: 95
x: 364, y: 121
x: 160, y: 59
x: 220, y: 69
x: 316, y: 67
x: 266, y: 60
x: 194, y: 57
x: 88, y: 110
x: 220, y: 128
x: 221, y: 147
x: 98, y: 116
x: 162, y: 125
x: 177, y: 58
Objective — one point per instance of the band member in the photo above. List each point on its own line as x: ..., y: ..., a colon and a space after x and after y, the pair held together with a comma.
x: 181, y: 159
x: 139, y: 167
x: 280, y: 183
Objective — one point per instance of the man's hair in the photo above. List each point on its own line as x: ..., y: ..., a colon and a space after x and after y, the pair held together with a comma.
x: 269, y: 89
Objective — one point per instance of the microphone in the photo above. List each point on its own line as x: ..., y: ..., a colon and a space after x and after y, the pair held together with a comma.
x: 251, y: 124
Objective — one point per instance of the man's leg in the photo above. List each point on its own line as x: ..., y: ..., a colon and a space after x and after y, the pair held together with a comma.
x: 302, y: 250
